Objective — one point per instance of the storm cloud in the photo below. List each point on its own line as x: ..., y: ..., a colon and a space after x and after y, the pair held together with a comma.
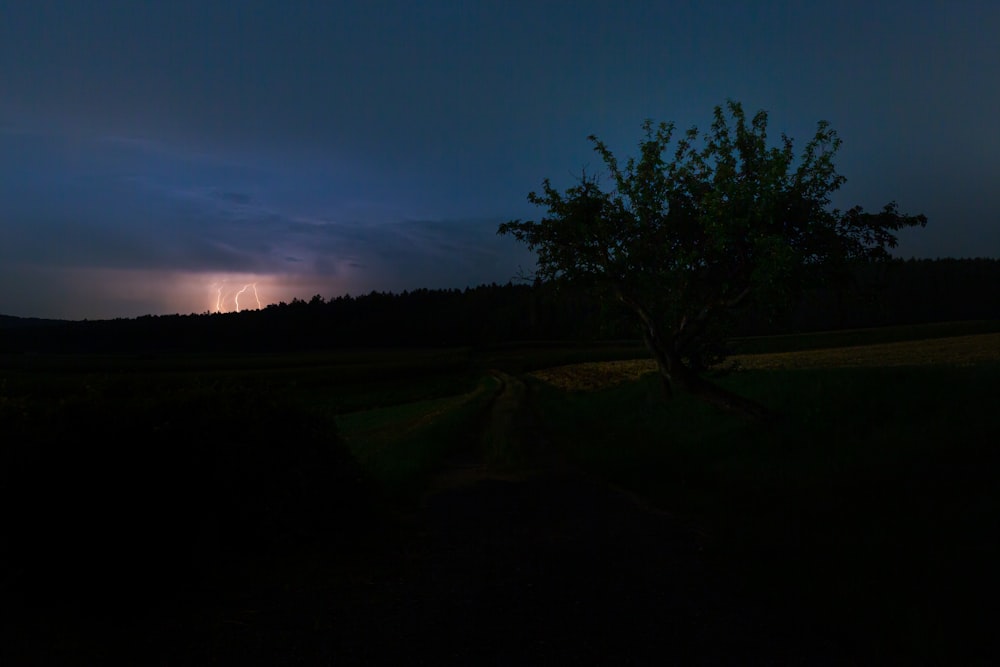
x: 149, y: 151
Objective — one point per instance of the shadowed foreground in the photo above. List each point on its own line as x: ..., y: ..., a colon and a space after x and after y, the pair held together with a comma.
x: 546, y: 570
x: 557, y: 568
x: 542, y: 567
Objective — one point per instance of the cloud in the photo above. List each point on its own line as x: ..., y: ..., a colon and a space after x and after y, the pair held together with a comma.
x: 345, y: 148
x: 131, y: 227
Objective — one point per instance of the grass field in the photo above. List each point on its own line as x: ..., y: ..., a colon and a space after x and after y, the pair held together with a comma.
x: 871, y: 508
x: 964, y: 350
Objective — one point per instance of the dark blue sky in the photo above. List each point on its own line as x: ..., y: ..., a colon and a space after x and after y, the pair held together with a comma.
x: 156, y: 155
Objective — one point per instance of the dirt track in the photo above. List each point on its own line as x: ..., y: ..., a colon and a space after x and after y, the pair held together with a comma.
x: 552, y: 567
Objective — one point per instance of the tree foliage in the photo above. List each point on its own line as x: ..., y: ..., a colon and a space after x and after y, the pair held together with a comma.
x: 694, y: 233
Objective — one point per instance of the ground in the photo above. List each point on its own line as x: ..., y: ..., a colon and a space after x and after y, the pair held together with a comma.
x: 539, y: 565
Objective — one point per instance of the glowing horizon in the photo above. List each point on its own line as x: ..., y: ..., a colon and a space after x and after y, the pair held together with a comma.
x: 224, y: 296
x: 100, y: 293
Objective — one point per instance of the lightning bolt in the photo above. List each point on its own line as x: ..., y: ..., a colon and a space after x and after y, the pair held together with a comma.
x: 222, y: 295
x: 236, y: 298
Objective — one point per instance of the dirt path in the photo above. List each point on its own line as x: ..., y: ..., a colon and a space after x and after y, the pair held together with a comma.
x: 549, y: 566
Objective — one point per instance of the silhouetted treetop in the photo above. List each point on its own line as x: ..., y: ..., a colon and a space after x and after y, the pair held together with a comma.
x: 694, y: 233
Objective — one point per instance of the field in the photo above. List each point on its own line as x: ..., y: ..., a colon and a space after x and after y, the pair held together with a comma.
x: 872, y: 508
x: 868, y: 514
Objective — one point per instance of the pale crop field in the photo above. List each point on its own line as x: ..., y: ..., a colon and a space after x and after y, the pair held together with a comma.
x: 954, y: 351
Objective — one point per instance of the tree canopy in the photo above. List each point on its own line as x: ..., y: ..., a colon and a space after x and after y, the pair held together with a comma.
x: 693, y: 233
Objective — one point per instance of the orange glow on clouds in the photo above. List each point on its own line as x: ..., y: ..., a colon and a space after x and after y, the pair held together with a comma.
x: 227, y: 297
x: 100, y: 293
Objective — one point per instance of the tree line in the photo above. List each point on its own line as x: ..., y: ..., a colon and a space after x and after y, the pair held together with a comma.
x: 877, y: 294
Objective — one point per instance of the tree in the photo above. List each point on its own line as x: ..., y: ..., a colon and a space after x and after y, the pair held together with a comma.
x: 691, y: 239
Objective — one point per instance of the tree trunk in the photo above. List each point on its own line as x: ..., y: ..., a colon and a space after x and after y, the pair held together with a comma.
x: 662, y: 364
x: 721, y: 397
x: 674, y: 372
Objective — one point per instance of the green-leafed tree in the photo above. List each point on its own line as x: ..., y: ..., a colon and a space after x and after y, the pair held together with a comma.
x: 694, y: 232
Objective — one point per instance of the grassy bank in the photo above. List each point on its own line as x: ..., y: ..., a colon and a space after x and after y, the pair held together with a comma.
x: 400, y: 446
x: 871, y: 509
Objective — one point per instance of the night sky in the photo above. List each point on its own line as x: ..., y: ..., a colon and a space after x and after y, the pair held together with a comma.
x: 156, y: 155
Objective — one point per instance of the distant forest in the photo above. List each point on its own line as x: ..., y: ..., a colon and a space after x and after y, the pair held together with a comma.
x: 893, y: 293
